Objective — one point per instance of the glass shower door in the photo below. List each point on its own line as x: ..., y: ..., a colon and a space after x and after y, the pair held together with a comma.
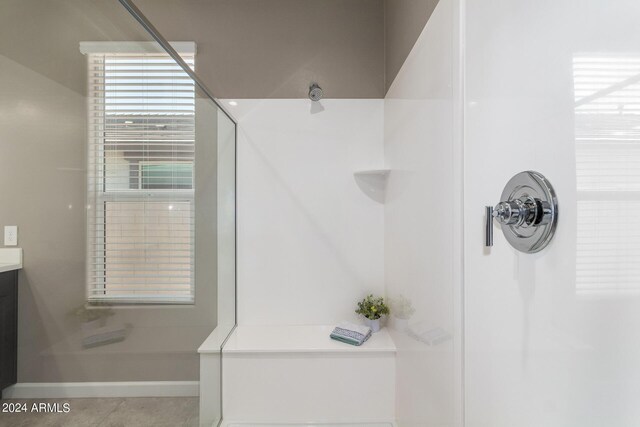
x: 120, y: 169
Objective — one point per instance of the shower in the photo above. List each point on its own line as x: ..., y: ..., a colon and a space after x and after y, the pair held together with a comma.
x: 315, y: 92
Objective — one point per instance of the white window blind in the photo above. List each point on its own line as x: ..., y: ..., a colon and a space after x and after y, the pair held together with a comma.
x: 607, y: 132
x: 141, y: 158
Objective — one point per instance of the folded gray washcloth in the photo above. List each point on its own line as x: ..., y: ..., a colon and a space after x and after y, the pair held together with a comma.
x: 351, y: 333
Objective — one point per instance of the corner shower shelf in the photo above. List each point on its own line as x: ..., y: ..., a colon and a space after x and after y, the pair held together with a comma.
x: 373, y: 183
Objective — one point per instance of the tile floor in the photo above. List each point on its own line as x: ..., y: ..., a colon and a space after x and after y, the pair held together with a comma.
x: 108, y: 412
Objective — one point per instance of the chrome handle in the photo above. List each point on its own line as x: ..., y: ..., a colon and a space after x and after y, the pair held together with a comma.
x: 488, y: 227
x: 522, y: 212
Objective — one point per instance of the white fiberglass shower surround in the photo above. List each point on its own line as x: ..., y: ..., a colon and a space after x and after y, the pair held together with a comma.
x: 551, y: 338
x: 491, y: 89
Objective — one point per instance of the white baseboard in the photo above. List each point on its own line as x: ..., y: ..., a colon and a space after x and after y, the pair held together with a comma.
x: 102, y: 389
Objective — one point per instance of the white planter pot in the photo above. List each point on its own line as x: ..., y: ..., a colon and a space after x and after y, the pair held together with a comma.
x: 373, y: 324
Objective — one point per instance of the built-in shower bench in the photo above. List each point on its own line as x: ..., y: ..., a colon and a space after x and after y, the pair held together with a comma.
x: 298, y: 374
x: 301, y: 339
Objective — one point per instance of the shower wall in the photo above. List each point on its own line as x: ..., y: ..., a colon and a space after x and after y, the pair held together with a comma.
x: 310, y: 241
x: 422, y: 225
x: 552, y: 338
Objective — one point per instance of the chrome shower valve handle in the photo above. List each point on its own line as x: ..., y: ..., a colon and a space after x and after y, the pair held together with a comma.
x: 528, y: 213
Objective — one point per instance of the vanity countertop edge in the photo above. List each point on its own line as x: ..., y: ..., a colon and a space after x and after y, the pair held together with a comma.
x: 10, y: 259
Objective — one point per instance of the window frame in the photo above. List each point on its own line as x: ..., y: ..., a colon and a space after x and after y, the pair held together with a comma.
x: 99, y: 196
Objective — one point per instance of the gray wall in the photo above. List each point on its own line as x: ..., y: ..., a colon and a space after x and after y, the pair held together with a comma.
x: 404, y: 21
x: 275, y: 48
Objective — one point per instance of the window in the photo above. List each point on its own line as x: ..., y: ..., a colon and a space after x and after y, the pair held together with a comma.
x: 607, y: 132
x: 141, y: 158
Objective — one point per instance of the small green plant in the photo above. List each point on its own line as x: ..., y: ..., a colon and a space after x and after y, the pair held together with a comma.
x: 372, y: 307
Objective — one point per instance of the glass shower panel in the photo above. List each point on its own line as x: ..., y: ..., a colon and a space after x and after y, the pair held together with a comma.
x: 226, y: 222
x: 215, y: 237
x: 120, y: 173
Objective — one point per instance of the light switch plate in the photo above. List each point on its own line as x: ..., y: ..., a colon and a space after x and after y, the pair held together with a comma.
x: 11, y: 235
